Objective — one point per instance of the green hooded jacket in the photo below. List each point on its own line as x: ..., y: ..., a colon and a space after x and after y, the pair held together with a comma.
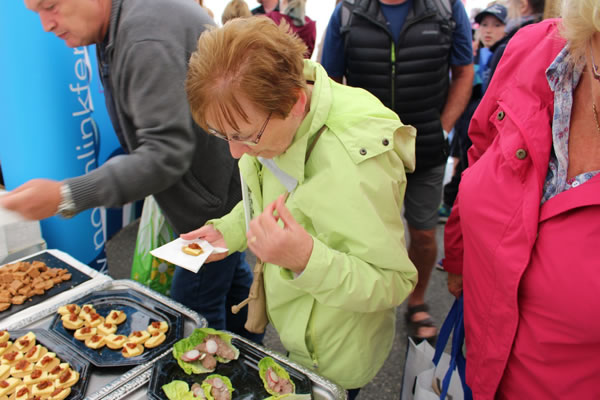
x: 338, y: 316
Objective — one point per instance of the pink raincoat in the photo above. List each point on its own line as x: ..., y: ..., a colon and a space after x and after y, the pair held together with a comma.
x: 531, y: 272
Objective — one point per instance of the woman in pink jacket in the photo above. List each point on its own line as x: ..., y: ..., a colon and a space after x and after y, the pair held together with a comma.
x: 524, y: 234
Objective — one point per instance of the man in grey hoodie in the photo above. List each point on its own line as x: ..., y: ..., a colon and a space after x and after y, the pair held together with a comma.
x: 143, y: 49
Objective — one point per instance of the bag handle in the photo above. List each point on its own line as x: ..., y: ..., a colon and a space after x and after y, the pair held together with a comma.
x: 454, y: 324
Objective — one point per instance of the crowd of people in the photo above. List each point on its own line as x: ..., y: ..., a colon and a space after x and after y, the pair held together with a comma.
x: 344, y: 163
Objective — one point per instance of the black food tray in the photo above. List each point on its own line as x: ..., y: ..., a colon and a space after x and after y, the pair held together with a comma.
x: 65, y: 354
x: 77, y: 277
x: 242, y: 372
x: 141, y: 310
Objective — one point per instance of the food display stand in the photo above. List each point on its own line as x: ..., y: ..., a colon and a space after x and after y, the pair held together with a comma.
x: 109, y: 377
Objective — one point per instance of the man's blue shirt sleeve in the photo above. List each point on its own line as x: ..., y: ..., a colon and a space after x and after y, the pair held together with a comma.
x: 462, y: 46
x: 333, y: 59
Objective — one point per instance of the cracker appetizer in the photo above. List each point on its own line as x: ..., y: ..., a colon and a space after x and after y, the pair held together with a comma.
x: 72, y: 321
x: 138, y: 337
x: 192, y: 249
x: 11, y: 357
x: 22, y: 392
x: 8, y: 386
x: 85, y: 333
x: 25, y: 342
x: 21, y: 369
x: 115, y: 342
x: 95, y: 342
x: 106, y: 328
x: 35, y: 353
x: 86, y: 309
x: 156, y: 326
x: 116, y: 317
x: 4, y: 336
x: 156, y: 339
x: 4, y: 371
x: 5, y: 346
x: 69, y: 309
x: 132, y: 349
x: 37, y: 375
x: 93, y: 319
x: 43, y: 388
x: 48, y: 362
x: 60, y: 393
x: 67, y: 378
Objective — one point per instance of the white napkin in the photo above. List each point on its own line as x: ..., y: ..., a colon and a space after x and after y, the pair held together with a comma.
x: 8, y: 217
x: 173, y: 253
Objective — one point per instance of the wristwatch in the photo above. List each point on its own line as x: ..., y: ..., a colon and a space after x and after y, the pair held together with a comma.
x: 66, y: 208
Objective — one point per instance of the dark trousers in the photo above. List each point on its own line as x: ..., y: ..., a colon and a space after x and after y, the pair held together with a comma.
x: 214, y: 289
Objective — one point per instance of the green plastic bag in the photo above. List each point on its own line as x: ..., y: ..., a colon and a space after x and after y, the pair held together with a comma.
x: 153, y: 232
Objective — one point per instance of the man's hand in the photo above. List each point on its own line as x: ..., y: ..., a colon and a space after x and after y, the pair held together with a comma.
x: 212, y: 236
x: 289, y: 246
x: 455, y: 284
x: 36, y: 199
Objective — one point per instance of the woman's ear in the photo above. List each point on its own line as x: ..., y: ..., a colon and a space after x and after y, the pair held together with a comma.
x: 300, y: 107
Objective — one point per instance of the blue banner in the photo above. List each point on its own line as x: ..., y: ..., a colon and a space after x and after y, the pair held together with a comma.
x: 49, y: 108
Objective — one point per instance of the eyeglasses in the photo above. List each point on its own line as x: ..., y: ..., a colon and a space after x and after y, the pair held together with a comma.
x: 236, y: 138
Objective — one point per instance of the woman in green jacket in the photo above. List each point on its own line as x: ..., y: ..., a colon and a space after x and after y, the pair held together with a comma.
x: 325, y: 167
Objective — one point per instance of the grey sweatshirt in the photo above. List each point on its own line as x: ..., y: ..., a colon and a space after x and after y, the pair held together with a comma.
x: 190, y: 173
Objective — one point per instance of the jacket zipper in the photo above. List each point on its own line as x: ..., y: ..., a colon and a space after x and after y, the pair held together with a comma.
x: 393, y: 49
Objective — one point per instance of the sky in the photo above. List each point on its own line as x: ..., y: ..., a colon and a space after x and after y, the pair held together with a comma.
x: 318, y: 10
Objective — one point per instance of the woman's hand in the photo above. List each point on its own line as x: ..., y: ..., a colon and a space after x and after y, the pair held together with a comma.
x: 212, y: 236
x: 455, y: 284
x: 289, y: 246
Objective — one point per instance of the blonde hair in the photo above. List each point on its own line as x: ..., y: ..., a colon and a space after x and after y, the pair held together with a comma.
x: 235, y: 9
x: 251, y: 58
x: 580, y: 20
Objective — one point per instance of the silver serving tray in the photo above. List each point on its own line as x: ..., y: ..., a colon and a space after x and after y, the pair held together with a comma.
x: 104, y: 383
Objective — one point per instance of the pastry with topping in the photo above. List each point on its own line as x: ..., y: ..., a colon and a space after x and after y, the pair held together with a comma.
x: 84, y: 333
x: 95, y: 342
x: 132, y: 349
x: 156, y: 339
x: 115, y: 342
x: 157, y: 326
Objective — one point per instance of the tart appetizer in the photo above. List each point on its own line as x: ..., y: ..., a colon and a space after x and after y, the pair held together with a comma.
x: 93, y: 319
x: 132, y: 349
x: 25, y: 342
x: 43, y: 388
x: 85, y: 333
x: 21, y: 369
x: 37, y: 375
x: 116, y: 317
x: 106, y: 328
x: 8, y: 385
x: 48, y: 362
x: 138, y: 337
x: 156, y: 326
x: 200, y: 352
x: 156, y: 339
x: 72, y: 321
x: 192, y: 249
x: 115, y: 342
x: 5, y: 346
x: 66, y: 378
x: 11, y: 357
x: 60, y: 393
x: 95, y: 342
x: 35, y: 353
x: 69, y: 309
x: 4, y: 371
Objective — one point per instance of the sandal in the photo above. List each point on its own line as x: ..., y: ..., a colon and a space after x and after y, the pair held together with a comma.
x: 413, y: 326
